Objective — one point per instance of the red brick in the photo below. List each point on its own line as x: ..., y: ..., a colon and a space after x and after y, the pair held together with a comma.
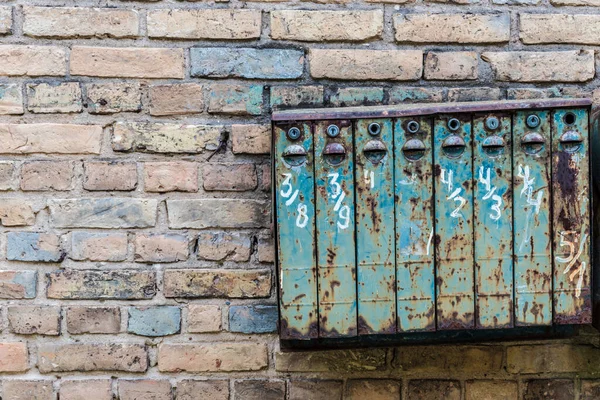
x: 47, y: 175
x: 259, y: 389
x: 229, y: 177
x: 14, y: 357
x: 171, y: 176
x: 204, y: 318
x: 184, y: 98
x: 251, y: 139
x: 110, y: 175
x: 98, y: 246
x: 92, y: 357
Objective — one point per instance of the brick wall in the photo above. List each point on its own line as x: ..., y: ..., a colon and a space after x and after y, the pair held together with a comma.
x: 136, y: 262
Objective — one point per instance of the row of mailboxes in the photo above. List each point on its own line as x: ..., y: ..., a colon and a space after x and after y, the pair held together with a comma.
x: 432, y: 218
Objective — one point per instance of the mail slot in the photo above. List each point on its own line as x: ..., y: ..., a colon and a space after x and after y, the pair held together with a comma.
x: 425, y: 222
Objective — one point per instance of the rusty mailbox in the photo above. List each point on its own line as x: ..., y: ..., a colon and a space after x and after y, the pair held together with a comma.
x: 420, y: 222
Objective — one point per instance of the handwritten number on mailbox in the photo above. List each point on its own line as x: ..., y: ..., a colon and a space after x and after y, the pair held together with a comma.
x: 487, y: 182
x: 573, y: 257
x: 454, y: 195
x: 338, y: 193
x: 291, y: 195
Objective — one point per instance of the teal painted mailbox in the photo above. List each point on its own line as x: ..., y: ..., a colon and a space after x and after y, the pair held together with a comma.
x: 433, y: 222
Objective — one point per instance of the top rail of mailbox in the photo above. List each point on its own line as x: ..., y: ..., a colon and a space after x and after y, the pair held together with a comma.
x: 404, y: 110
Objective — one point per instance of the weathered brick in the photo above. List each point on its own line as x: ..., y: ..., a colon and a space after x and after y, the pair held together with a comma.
x: 98, y: 246
x: 555, y: 389
x: 154, y: 321
x: 253, y: 319
x: 190, y: 389
x: 140, y: 389
x: 84, y: 319
x: 80, y: 389
x: 16, y: 212
x: 221, y: 246
x: 204, y: 24
x: 161, y: 248
x: 190, y: 283
x: 11, y: 98
x: 452, y: 28
x: 14, y: 357
x: 47, y: 175
x: 170, y: 176
x: 259, y: 389
x: 177, y: 99
x: 315, y: 390
x: 492, y: 390
x: 265, y: 177
x: 18, y: 284
x: 234, y: 356
x: 19, y: 389
x: 559, y: 28
x: 296, y: 96
x: 165, y: 138
x: 395, y: 65
x: 235, y: 99
x: 451, y: 65
x: 332, y: 361
x: 458, y: 359
x: 549, y: 358
x: 73, y: 22
x: 229, y: 177
x: 322, y: 25
x: 32, y: 320
x: 6, y: 20
x: 109, y: 175
x: 113, y: 97
x: 590, y: 390
x: 547, y: 66
x: 373, y: 389
x: 204, y: 318
x: 433, y: 390
x: 7, y: 175
x: 474, y: 94
x: 517, y: 2
x: 401, y: 94
x: 103, y: 213
x: 532, y: 93
x: 357, y: 96
x: 218, y: 213
x: 18, y: 60
x: 33, y: 246
x: 266, y: 249
x: 224, y: 62
x: 50, y: 138
x: 92, y: 357
x: 54, y: 97
x: 592, y: 3
x: 251, y: 139
x: 70, y: 284
x: 127, y: 62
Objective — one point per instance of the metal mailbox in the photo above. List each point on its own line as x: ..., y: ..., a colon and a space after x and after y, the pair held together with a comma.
x: 433, y: 222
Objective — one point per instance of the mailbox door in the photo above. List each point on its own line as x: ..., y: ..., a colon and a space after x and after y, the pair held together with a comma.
x: 492, y: 183
x: 413, y: 176
x: 336, y: 258
x: 571, y: 216
x: 295, y: 202
x: 532, y: 217
x: 454, y: 222
x: 374, y: 178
